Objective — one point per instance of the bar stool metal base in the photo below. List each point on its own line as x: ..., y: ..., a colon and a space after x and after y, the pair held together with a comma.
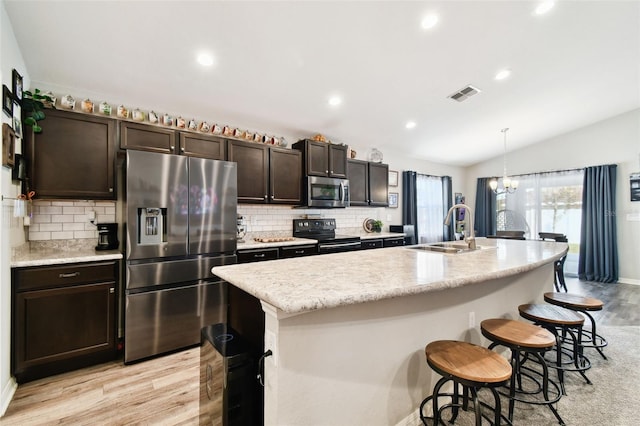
x: 582, y: 304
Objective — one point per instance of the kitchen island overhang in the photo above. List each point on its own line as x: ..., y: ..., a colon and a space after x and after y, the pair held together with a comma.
x: 348, y: 330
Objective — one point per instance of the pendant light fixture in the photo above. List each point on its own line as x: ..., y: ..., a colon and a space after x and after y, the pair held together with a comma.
x: 508, y: 185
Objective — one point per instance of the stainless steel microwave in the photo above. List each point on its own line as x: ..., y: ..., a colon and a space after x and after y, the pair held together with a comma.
x: 327, y: 192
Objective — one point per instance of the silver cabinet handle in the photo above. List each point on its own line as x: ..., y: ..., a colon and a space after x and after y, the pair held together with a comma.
x: 110, y: 189
x: 326, y: 171
x: 112, y: 290
x: 258, y: 255
x: 172, y: 147
x: 182, y: 149
x: 69, y: 275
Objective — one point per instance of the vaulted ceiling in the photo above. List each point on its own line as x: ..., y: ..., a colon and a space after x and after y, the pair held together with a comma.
x: 277, y: 64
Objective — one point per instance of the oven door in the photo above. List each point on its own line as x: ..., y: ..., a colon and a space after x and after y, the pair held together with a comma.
x: 327, y: 192
x: 338, y: 246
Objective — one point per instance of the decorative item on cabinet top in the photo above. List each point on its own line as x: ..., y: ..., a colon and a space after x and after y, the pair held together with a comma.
x: 122, y: 112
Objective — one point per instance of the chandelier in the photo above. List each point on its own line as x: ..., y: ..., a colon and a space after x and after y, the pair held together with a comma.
x: 508, y: 185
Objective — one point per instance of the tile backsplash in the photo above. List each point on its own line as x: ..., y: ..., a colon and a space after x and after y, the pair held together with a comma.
x: 277, y: 220
x: 63, y: 220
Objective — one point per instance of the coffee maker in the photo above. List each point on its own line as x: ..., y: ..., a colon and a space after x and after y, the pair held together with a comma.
x: 107, y: 236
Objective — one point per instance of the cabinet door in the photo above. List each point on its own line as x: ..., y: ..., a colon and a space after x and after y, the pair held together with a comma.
x: 358, y: 183
x: 145, y: 137
x: 73, y: 157
x: 317, y: 158
x: 253, y: 167
x: 378, y: 184
x: 285, y: 176
x: 195, y: 145
x: 338, y: 161
x: 58, y: 325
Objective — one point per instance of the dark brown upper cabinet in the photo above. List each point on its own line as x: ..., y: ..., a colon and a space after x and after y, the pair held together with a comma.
x: 145, y: 137
x: 265, y: 174
x: 368, y: 183
x: 203, y: 146
x: 322, y: 158
x: 73, y: 157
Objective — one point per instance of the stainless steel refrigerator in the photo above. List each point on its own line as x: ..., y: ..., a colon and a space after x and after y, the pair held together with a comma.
x: 181, y: 215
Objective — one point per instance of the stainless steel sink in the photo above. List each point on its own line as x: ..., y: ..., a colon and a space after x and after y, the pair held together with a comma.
x: 448, y: 247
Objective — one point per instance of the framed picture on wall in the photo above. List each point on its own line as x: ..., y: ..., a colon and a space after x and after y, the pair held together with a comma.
x: 17, y: 119
x: 393, y: 200
x: 393, y: 178
x: 17, y: 86
x: 7, y: 101
x: 8, y: 145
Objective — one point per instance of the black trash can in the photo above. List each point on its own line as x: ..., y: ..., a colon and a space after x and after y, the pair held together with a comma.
x: 227, y: 378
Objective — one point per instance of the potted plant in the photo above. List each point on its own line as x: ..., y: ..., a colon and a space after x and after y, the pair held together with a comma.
x: 377, y: 226
x: 33, y: 104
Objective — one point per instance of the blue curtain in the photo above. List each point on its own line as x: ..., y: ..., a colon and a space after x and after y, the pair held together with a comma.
x: 485, y: 220
x: 598, y: 242
x: 447, y: 194
x: 409, y: 202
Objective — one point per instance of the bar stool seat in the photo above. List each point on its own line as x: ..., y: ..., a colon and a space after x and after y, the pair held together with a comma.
x: 582, y: 304
x: 525, y: 341
x: 471, y: 366
x: 569, y: 354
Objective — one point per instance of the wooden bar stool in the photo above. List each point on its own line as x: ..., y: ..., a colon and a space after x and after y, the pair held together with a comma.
x: 471, y: 366
x: 568, y: 357
x: 582, y: 304
x: 525, y: 341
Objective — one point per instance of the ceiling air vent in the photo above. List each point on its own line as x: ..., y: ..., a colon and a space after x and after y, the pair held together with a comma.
x: 464, y: 93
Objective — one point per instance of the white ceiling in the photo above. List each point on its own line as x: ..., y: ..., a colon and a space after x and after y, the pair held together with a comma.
x: 277, y: 63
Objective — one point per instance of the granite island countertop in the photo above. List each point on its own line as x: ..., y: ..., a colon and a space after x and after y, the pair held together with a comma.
x: 319, y: 282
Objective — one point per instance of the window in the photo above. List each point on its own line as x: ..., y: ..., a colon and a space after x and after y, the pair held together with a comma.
x: 545, y: 202
x: 431, y: 208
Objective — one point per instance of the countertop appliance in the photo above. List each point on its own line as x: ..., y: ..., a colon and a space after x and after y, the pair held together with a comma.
x: 326, y: 192
x: 324, y: 230
x: 107, y: 236
x: 407, y: 230
x: 181, y: 215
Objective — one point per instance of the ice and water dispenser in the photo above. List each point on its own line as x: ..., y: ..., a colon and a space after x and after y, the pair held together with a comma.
x: 152, y: 225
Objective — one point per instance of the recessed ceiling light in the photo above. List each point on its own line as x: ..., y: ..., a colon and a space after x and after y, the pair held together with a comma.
x: 205, y: 59
x: 429, y: 21
x: 502, y: 74
x: 410, y: 124
x: 335, y: 100
x: 544, y: 7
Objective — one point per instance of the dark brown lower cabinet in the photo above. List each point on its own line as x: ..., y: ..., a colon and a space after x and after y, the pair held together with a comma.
x: 64, y: 318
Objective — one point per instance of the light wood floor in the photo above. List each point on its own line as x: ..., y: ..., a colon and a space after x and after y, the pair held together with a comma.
x: 164, y: 391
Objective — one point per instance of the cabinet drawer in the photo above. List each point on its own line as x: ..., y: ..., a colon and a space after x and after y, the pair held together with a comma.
x: 298, y: 251
x: 64, y: 275
x: 257, y: 255
x: 394, y: 242
x: 371, y: 244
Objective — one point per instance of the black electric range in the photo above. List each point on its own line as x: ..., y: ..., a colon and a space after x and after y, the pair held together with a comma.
x: 324, y: 230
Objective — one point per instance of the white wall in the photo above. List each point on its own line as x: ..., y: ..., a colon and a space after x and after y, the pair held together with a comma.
x: 11, y: 230
x: 612, y: 141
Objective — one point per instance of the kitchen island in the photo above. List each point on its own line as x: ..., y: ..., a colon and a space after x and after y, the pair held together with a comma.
x: 348, y: 330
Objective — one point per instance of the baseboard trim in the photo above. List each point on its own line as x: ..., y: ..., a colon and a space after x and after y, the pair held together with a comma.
x: 8, y: 391
x: 628, y: 281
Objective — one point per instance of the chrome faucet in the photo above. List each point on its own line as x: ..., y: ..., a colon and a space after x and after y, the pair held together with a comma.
x: 471, y: 239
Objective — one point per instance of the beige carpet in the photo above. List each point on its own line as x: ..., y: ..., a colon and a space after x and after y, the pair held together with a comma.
x: 613, y: 398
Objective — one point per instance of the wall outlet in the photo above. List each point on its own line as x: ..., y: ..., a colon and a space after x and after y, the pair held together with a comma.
x: 472, y: 319
x: 270, y: 343
x: 91, y: 215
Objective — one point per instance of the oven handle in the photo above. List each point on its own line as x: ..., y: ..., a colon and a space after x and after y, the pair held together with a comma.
x: 332, y: 245
x: 341, y: 192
